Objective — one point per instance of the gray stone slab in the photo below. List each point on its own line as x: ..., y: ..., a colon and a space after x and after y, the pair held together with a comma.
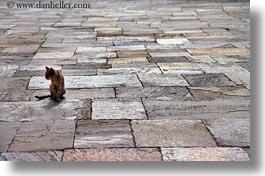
x: 32, y: 156
x: 162, y: 80
x: 89, y: 81
x: 171, y: 133
x: 125, y: 48
x: 7, y: 70
x: 159, y: 93
x: 128, y: 71
x: 103, y: 133
x: 79, y: 72
x: 8, y: 131
x: 204, y: 154
x: 212, y: 79
x: 215, y: 67
x: 179, y: 68
x: 237, y: 107
x: 118, y: 109
x: 169, y: 41
x: 54, y: 55
x: 15, y: 95
x: 44, y: 135
x: 167, y: 59
x: 40, y: 110
x: 240, y: 78
x: 230, y: 132
x: 12, y: 83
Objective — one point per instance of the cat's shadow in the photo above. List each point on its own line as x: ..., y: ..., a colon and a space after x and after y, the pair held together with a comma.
x: 53, y: 103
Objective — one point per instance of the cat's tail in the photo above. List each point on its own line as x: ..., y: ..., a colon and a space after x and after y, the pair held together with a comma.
x: 42, y: 97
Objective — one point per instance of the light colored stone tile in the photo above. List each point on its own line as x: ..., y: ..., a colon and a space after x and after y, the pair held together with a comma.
x: 171, y: 133
x: 240, y: 77
x: 54, y: 55
x: 81, y: 49
x: 8, y: 131
x: 126, y: 48
x: 169, y: 41
x: 179, y: 68
x: 201, y: 59
x: 127, y: 60
x: 33, y: 156
x: 220, y: 52
x: 128, y: 71
x: 7, y: 70
x: 168, y: 54
x: 204, y: 154
x: 215, y: 67
x: 118, y: 109
x: 92, y: 60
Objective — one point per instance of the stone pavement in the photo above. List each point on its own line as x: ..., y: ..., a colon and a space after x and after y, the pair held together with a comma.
x: 146, y: 80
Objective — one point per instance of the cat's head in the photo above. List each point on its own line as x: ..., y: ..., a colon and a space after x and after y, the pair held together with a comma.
x: 50, y: 72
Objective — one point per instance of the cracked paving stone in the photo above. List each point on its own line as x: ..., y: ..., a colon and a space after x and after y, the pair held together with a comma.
x: 8, y: 131
x: 118, y: 109
x: 111, y: 154
x: 40, y: 110
x: 88, y: 81
x: 32, y: 156
x: 159, y: 93
x: 220, y: 52
x: 149, y: 80
x: 179, y: 68
x: 204, y: 154
x: 171, y: 133
x: 44, y: 135
x: 103, y: 133
x: 230, y: 132
x: 236, y: 107
x: 210, y: 79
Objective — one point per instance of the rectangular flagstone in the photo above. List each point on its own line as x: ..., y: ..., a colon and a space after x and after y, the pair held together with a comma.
x: 125, y: 48
x: 220, y: 52
x: 171, y: 41
x: 52, y: 155
x: 180, y: 68
x: 171, y: 133
x: 54, y: 55
x: 39, y: 82
x: 118, y: 109
x: 240, y: 78
x: 103, y: 133
x: 128, y: 70
x: 168, y: 54
x: 7, y: 70
x: 113, y: 154
x: 204, y: 154
x: 215, y: 67
x: 81, y: 49
x: 8, y: 131
x: 127, y: 60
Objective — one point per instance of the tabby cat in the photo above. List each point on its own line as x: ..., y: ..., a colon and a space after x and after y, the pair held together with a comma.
x: 57, y: 89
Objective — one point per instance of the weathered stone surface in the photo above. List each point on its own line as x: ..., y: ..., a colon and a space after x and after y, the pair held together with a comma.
x: 92, y: 60
x: 39, y: 110
x: 227, y: 59
x: 15, y: 95
x: 130, y: 54
x: 201, y: 59
x: 220, y: 52
x: 159, y: 93
x: 89, y: 81
x: 211, y: 79
x: 81, y: 49
x: 220, y: 68
x: 171, y: 133
x: 168, y: 59
x: 118, y: 109
x: 14, y: 83
x: 230, y: 132
x: 32, y: 156
x: 162, y: 80
x: 44, y: 135
x: 101, y: 32
x: 112, y: 154
x: 168, y: 54
x: 204, y: 154
x: 54, y: 55
x: 7, y: 70
x: 103, y: 133
x: 125, y: 48
x: 169, y: 41
x: 240, y: 78
x: 179, y: 68
x: 79, y: 72
x: 8, y: 131
x: 21, y: 49
x: 129, y: 70
x: 237, y: 107
x: 127, y: 60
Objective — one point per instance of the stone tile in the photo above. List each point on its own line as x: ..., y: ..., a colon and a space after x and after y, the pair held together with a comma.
x: 44, y: 135
x: 167, y: 59
x: 52, y: 62
x: 113, y: 154
x: 32, y: 156
x: 8, y: 131
x: 171, y: 133
x: 38, y: 67
x: 101, y: 32
x: 204, y: 154
x: 129, y: 54
x: 15, y: 95
x: 159, y: 93
x: 128, y: 71
x: 82, y: 82
x: 21, y: 49
x: 168, y: 54
x: 180, y: 68
x: 7, y: 70
x: 79, y: 72
x: 127, y: 38
x: 240, y: 78
x: 230, y: 132
x: 220, y: 52
x: 96, y: 55
x: 54, y: 55
x: 214, y: 67
x: 237, y: 107
x: 127, y: 60
x: 211, y: 79
x: 14, y: 83
x: 92, y: 60
x: 103, y: 133
x: 201, y: 59
x: 118, y: 109
x: 245, y: 65
x: 227, y: 59
x: 149, y: 80
x: 81, y: 49
x: 125, y: 48
x: 169, y: 41
x: 37, y: 110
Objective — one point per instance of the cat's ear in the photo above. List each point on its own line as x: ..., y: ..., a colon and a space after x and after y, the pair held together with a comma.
x: 47, y: 68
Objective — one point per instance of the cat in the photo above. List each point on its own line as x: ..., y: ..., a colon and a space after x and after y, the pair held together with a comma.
x: 57, y: 89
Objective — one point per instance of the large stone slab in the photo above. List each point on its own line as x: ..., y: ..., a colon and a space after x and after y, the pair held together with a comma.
x: 44, y: 135
x: 230, y: 132
x: 8, y: 131
x: 7, y: 70
x: 180, y: 68
x: 237, y: 107
x: 103, y: 133
x: 168, y: 53
x: 54, y: 55
x: 220, y: 52
x: 118, y: 109
x: 211, y: 79
x: 15, y: 95
x: 171, y: 133
x: 125, y: 48
x: 32, y: 156
x: 40, y: 110
x: 89, y: 81
x: 170, y: 41
x: 113, y: 154
x: 82, y: 49
x: 162, y: 80
x: 214, y: 67
x: 127, y: 60
x: 129, y: 70
x: 159, y: 93
x: 204, y: 154
x: 240, y: 78
x: 14, y: 83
